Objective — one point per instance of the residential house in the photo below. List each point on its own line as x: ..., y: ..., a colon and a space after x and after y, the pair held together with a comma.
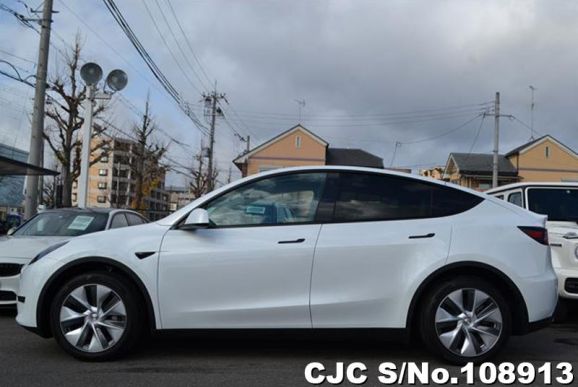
x: 299, y: 146
x: 433, y: 172
x: 542, y: 159
x: 545, y: 159
x: 474, y: 170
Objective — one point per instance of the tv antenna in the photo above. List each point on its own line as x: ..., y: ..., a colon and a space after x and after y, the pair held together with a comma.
x: 301, y: 105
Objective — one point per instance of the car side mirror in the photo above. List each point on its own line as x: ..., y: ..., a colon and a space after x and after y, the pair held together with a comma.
x: 198, y: 218
x: 11, y: 231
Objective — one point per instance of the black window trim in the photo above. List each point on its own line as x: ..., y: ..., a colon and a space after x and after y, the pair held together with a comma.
x: 427, y: 183
x: 114, y: 216
x: 317, y: 220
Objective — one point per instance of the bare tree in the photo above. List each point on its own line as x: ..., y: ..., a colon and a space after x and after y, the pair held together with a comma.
x: 145, y: 164
x: 201, y: 178
x: 62, y: 135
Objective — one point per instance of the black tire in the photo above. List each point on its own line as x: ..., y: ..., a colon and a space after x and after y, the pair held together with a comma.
x: 430, y: 331
x: 133, y: 322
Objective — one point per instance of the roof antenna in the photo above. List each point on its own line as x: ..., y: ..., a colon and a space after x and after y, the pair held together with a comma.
x: 301, y: 103
x: 532, y: 89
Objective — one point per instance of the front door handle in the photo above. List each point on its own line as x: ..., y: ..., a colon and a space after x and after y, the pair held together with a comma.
x: 430, y: 235
x: 300, y: 240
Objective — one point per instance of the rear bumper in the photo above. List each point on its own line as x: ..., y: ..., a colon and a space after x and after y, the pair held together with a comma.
x: 563, y: 289
x: 541, y: 296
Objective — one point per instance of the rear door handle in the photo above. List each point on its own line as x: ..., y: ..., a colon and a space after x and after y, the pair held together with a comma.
x: 430, y: 235
x: 300, y: 240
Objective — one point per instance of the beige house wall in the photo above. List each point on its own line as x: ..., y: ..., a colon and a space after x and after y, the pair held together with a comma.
x: 285, y: 153
x: 533, y: 165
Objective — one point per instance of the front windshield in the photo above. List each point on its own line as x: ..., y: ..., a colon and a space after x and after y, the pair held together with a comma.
x: 560, y: 204
x: 63, y: 223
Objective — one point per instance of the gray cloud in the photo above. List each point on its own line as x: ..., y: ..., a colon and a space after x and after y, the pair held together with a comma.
x: 346, y: 58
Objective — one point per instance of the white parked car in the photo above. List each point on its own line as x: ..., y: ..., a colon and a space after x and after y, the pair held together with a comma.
x: 361, y: 248
x: 559, y: 201
x: 46, y: 229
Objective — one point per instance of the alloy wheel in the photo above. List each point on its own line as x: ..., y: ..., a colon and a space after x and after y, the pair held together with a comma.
x: 93, y: 318
x: 468, y: 322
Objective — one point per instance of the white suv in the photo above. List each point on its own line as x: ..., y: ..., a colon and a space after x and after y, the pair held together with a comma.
x: 559, y: 201
x: 362, y: 248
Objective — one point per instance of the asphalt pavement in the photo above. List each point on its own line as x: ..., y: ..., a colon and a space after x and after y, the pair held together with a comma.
x: 28, y: 360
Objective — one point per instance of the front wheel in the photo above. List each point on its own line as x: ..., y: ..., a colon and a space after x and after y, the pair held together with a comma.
x: 96, y: 316
x: 466, y: 319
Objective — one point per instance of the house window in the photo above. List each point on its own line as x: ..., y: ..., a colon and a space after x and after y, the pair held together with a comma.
x: 74, y: 184
x: 74, y: 196
x: 547, y: 152
x: 101, y: 199
x: 298, y: 142
x: 103, y: 172
x: 104, y: 158
x: 102, y: 185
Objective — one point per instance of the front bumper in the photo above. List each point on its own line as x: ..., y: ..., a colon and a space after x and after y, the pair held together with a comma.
x: 32, y: 280
x: 10, y: 279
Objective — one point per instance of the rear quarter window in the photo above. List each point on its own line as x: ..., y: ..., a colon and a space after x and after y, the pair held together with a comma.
x: 363, y: 197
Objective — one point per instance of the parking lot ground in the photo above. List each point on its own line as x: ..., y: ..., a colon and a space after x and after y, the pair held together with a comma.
x: 28, y: 360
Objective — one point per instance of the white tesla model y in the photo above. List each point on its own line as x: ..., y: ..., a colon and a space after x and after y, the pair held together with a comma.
x: 306, y: 248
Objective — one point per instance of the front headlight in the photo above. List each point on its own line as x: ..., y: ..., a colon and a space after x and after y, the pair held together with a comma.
x: 47, y: 251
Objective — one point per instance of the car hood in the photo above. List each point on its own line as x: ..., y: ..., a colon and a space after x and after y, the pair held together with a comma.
x: 26, y: 246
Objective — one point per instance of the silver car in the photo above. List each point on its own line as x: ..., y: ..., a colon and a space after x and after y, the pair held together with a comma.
x: 48, y: 228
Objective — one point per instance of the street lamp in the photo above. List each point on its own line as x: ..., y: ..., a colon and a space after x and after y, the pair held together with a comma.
x: 116, y: 80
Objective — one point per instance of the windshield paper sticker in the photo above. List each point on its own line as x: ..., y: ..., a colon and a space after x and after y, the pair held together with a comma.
x: 81, y: 223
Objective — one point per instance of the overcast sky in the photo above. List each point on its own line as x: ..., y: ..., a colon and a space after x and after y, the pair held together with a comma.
x: 357, y: 64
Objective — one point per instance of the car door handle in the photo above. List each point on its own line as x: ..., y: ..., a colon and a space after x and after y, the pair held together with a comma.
x: 300, y: 240
x: 430, y: 235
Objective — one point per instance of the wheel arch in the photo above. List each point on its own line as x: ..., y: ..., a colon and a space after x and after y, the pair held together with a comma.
x: 84, y: 265
x: 520, y: 322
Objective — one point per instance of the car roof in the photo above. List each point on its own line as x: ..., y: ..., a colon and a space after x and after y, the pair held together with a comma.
x: 531, y: 184
x: 177, y: 215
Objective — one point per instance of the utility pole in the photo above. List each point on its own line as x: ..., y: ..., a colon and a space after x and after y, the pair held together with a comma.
x: 85, y: 152
x: 37, y: 132
x: 211, y: 109
x: 532, y: 89
x: 496, y: 140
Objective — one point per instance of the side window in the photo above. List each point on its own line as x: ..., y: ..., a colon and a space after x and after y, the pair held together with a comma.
x: 118, y: 221
x: 364, y: 197
x: 134, y: 220
x: 515, y: 198
x: 275, y: 200
x: 500, y: 197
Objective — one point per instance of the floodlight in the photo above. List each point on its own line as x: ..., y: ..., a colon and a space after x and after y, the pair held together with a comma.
x: 91, y: 73
x: 117, y: 80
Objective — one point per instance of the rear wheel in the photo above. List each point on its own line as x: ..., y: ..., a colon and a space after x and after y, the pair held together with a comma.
x: 96, y: 317
x: 465, y: 320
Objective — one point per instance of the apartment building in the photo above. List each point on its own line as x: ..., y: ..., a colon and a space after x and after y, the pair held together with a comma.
x: 111, y: 182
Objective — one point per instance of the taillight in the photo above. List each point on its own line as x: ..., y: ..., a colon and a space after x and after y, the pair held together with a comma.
x: 538, y: 234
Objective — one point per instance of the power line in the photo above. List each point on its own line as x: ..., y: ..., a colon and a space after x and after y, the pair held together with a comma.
x: 428, y: 111
x: 444, y: 133
x: 180, y: 48
x: 195, y: 57
x: 169, y: 49
x: 120, y: 55
x: 155, y: 70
